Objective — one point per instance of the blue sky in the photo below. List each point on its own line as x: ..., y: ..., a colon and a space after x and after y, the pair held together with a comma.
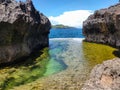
x: 70, y: 12
x: 57, y: 7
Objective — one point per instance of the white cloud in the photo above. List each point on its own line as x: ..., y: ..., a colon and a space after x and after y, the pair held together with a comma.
x: 71, y: 18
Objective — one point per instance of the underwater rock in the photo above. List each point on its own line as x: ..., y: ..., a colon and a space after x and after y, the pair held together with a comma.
x: 105, y: 76
x: 103, y: 26
x: 23, y: 30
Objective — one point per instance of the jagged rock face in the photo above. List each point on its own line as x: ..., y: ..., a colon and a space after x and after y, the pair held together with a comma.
x: 103, y: 26
x: 22, y: 30
x: 105, y: 76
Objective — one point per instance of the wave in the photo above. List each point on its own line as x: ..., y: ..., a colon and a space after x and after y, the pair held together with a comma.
x: 74, y: 39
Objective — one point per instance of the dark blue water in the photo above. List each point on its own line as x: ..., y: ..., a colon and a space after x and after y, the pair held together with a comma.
x: 66, y: 33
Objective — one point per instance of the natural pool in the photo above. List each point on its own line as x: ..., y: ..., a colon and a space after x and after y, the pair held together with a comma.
x: 64, y: 66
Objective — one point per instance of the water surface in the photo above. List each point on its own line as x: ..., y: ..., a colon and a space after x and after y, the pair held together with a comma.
x: 65, y: 65
x: 66, y: 33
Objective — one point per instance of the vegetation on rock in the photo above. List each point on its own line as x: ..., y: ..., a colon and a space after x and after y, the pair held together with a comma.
x: 25, y: 72
x: 60, y: 26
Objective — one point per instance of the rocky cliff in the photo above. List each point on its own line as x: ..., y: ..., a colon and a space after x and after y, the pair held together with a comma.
x: 105, y: 76
x: 23, y: 30
x: 104, y: 26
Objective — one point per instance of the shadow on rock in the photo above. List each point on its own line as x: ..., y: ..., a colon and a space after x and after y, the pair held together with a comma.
x: 117, y: 53
x: 23, y: 61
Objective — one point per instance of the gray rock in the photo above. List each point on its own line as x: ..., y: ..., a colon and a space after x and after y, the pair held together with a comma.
x: 104, y: 26
x: 23, y: 30
x: 105, y: 76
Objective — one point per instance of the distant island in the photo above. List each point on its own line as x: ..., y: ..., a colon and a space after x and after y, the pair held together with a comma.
x: 60, y: 26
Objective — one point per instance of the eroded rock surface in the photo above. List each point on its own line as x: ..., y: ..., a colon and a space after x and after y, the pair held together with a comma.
x: 104, y: 26
x: 22, y: 30
x: 105, y: 76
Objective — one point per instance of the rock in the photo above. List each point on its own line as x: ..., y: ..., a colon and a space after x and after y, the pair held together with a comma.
x: 103, y: 26
x: 23, y: 30
x: 105, y: 76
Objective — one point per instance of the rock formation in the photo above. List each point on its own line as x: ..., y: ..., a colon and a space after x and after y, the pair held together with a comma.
x: 105, y: 76
x: 23, y: 30
x: 104, y: 26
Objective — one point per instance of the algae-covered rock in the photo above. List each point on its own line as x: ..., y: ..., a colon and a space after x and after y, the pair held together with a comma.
x: 22, y: 30
x: 24, y: 72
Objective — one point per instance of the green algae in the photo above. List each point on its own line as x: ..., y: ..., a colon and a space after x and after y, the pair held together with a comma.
x: 43, y: 63
x: 56, y: 62
x: 80, y: 58
x: 83, y: 55
x: 97, y: 53
x: 23, y: 73
x: 53, y: 67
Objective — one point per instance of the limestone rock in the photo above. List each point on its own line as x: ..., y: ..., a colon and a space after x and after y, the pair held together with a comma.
x: 105, y: 76
x: 23, y: 30
x: 104, y: 26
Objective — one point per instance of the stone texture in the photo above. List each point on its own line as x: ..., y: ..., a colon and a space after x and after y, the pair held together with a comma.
x: 104, y: 26
x: 105, y: 76
x: 23, y: 30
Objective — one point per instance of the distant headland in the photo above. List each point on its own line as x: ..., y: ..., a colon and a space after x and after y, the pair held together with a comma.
x: 60, y: 26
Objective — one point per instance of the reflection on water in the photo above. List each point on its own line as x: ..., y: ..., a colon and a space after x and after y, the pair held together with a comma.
x: 65, y: 65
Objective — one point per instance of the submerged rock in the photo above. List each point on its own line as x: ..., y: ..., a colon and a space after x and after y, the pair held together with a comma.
x: 23, y: 30
x: 104, y: 26
x: 105, y: 76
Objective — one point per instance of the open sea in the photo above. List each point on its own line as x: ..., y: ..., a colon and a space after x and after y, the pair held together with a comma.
x: 66, y: 33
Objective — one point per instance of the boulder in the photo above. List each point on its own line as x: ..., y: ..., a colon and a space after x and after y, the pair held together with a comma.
x: 105, y: 76
x: 103, y: 26
x: 23, y: 30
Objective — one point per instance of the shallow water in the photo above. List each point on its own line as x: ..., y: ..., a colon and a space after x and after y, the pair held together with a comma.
x: 64, y: 66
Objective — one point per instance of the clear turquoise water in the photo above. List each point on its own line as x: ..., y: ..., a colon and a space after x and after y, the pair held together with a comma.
x: 56, y: 63
x: 68, y: 44
x: 67, y: 54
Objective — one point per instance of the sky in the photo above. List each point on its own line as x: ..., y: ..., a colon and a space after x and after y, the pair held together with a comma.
x: 70, y: 12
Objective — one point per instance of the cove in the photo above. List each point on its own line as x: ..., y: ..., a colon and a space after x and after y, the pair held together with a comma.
x: 64, y: 65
